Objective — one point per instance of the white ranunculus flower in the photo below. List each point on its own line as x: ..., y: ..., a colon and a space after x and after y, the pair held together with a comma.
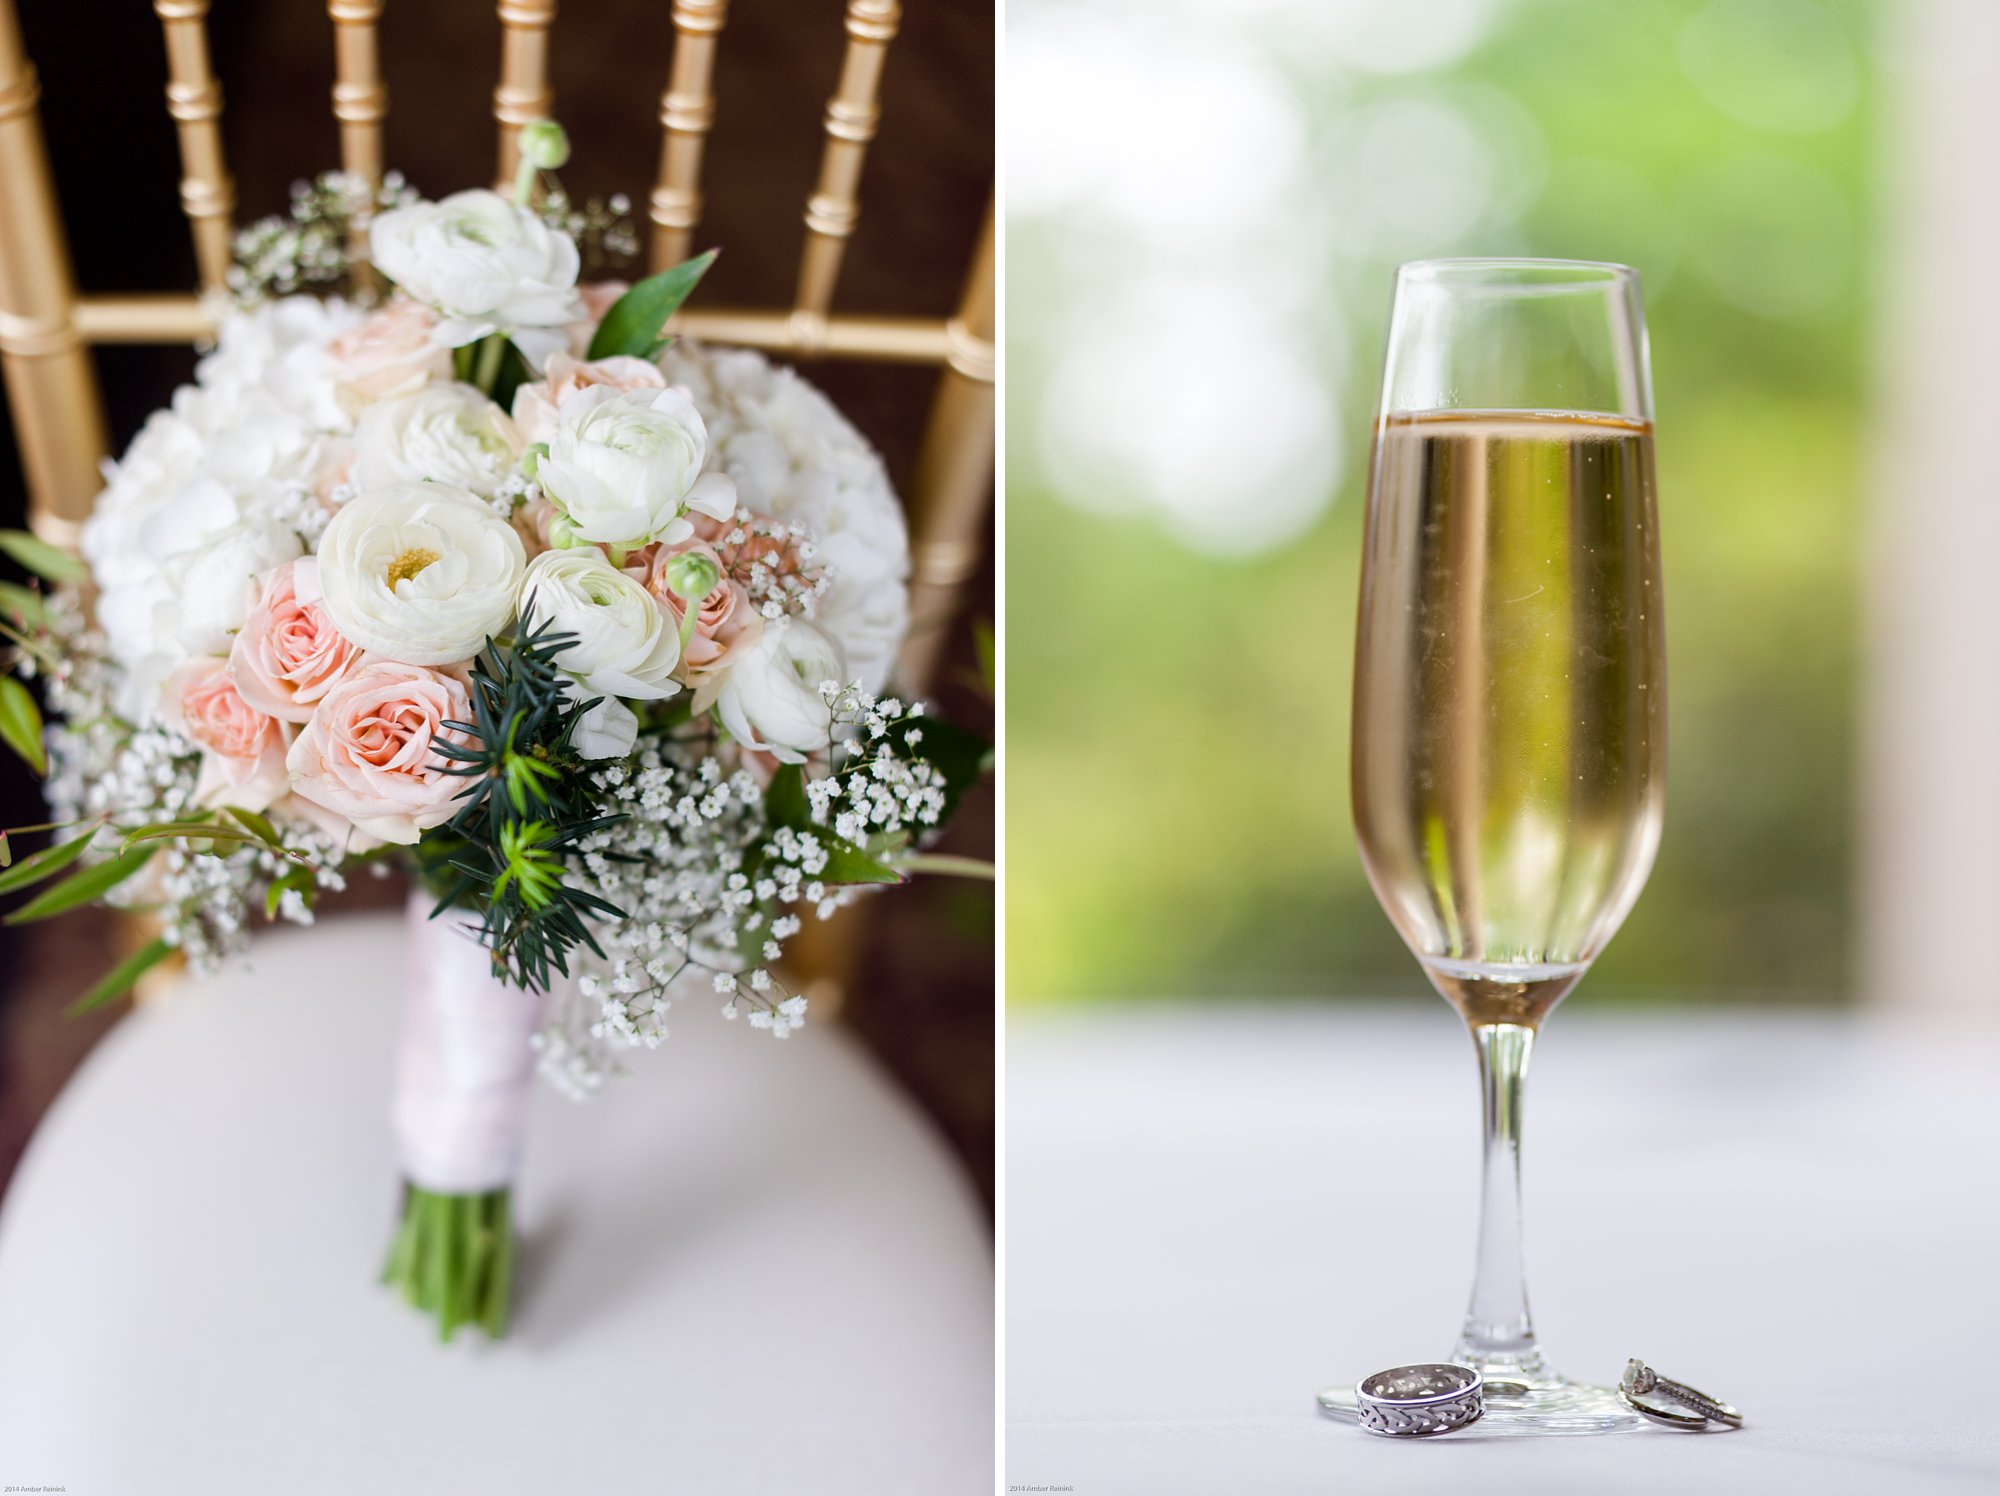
x: 625, y: 466
x: 420, y: 572
x: 770, y: 700
x: 443, y: 433
x: 487, y: 266
x: 215, y: 583
x: 625, y: 644
x: 607, y: 730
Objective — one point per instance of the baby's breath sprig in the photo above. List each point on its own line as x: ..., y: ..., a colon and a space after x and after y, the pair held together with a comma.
x: 718, y: 871
x: 776, y: 564
x: 118, y: 788
x: 308, y: 248
x: 606, y: 235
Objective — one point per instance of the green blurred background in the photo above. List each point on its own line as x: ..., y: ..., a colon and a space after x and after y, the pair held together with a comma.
x: 1203, y: 217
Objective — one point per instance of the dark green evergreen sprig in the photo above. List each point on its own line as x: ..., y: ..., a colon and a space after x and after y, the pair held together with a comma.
x: 526, y: 804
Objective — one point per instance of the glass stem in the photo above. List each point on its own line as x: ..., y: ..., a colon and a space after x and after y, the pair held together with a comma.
x: 1499, y: 1337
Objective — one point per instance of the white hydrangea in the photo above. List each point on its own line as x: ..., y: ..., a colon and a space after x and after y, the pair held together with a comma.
x: 795, y: 457
x: 255, y: 435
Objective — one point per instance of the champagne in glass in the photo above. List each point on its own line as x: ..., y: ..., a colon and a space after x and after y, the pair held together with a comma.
x: 1510, y: 691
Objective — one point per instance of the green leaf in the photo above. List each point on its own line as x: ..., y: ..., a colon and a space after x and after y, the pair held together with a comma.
x: 43, y: 864
x: 299, y: 880
x: 23, y: 606
x: 632, y: 326
x: 21, y: 724
x: 194, y: 833
x: 266, y: 832
x: 46, y: 561
x: 785, y: 801
x: 118, y: 981
x: 184, y: 830
x: 847, y: 863
x: 82, y: 888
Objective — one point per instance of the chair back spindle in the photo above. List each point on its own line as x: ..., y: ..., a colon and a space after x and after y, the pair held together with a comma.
x: 360, y: 101
x: 523, y: 95
x: 687, y: 113
x: 360, y: 98
x: 194, y: 99
x: 852, y: 115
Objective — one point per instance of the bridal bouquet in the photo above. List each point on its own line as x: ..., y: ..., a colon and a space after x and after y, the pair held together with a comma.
x: 589, y: 629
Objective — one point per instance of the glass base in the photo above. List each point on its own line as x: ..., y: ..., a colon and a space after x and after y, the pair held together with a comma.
x: 1521, y: 1404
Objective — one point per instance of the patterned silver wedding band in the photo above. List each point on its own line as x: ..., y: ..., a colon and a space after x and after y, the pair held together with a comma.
x: 1413, y: 1401
x: 1641, y: 1387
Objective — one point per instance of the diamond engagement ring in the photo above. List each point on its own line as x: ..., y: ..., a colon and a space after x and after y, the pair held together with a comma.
x: 1641, y: 1382
x: 1410, y: 1401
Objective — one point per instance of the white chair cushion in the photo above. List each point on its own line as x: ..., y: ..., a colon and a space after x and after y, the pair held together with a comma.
x: 749, y: 1268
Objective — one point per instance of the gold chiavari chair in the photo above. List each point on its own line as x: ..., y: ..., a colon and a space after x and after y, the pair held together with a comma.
x: 47, y: 328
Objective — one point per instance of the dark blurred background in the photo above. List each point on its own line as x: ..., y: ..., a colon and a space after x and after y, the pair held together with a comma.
x: 924, y: 998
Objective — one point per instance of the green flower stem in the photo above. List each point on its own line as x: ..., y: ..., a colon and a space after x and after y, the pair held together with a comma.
x: 486, y: 372
x: 452, y: 1257
x: 946, y: 865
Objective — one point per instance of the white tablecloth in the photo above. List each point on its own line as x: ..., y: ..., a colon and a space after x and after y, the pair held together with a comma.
x: 751, y: 1269
x: 1213, y: 1212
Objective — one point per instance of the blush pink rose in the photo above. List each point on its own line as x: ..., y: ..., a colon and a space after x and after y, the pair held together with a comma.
x: 389, y: 354
x: 243, y: 749
x: 370, y: 750
x: 535, y: 405
x: 203, y: 702
x: 288, y: 654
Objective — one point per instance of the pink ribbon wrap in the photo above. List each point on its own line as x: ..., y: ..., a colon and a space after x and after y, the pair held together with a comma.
x: 465, y: 1068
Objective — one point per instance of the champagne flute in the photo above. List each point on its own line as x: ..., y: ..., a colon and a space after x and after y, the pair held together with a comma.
x: 1510, y: 695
